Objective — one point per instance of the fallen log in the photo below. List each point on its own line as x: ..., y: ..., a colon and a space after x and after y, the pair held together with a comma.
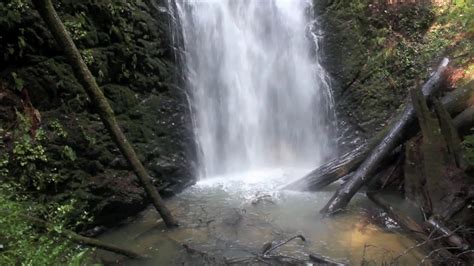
x: 331, y: 171
x: 465, y: 120
x: 451, y: 237
x: 455, y: 103
x: 389, y: 173
x: 396, y: 135
x: 460, y: 99
x: 273, y: 247
x: 458, y: 204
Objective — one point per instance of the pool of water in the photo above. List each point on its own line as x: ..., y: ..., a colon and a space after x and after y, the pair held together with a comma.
x: 230, y: 218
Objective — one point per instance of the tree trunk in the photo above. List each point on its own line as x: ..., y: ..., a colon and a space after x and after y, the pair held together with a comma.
x: 460, y: 99
x: 330, y: 171
x: 413, y: 175
x: 465, y: 120
x: 394, y: 137
x: 82, y: 73
x: 439, y: 186
x: 450, y: 133
x: 436, y: 157
x: 451, y: 237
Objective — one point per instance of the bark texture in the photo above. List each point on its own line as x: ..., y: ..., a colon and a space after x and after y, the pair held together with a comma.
x: 465, y: 120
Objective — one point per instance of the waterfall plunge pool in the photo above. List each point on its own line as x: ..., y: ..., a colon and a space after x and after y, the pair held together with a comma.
x: 259, y: 97
x: 230, y: 218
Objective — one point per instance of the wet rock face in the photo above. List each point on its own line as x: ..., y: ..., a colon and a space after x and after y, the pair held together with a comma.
x: 370, y: 57
x: 343, y: 59
x: 126, y: 45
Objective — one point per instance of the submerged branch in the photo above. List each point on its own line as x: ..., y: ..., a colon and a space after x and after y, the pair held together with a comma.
x: 282, y: 243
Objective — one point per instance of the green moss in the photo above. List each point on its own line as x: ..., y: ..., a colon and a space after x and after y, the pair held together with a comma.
x: 387, y: 49
x: 121, y: 98
x: 23, y: 244
x: 126, y: 46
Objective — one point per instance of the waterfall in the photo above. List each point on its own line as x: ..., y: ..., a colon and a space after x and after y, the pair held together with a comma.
x: 259, y: 95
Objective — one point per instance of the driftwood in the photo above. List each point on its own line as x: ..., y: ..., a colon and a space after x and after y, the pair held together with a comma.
x: 455, y: 103
x: 395, y: 136
x: 75, y: 237
x: 269, y: 248
x: 451, y: 237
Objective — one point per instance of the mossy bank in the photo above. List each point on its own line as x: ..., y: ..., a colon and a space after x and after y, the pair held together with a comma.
x: 375, y: 52
x: 127, y: 47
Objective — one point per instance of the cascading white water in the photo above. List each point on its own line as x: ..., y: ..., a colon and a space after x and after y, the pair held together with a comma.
x: 259, y: 95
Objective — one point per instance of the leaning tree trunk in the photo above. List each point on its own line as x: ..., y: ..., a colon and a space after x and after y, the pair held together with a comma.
x: 82, y: 73
x: 394, y: 137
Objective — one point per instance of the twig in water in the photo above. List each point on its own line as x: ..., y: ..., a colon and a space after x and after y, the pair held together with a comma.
x: 435, y: 251
x: 281, y: 244
x: 429, y: 239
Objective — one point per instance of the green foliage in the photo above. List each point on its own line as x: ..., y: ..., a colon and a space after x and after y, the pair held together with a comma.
x: 23, y: 243
x: 87, y: 56
x: 10, y: 18
x: 19, y: 83
x: 392, y: 46
x: 27, y: 158
x: 12, y: 11
x: 69, y: 153
x: 58, y: 129
x: 76, y: 26
x: 462, y: 13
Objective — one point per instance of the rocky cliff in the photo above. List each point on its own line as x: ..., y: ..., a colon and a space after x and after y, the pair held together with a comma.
x: 127, y: 46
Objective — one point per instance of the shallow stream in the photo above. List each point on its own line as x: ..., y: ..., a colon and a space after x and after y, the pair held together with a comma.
x: 230, y: 218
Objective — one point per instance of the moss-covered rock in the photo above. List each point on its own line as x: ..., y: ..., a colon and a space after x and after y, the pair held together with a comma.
x: 126, y: 45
